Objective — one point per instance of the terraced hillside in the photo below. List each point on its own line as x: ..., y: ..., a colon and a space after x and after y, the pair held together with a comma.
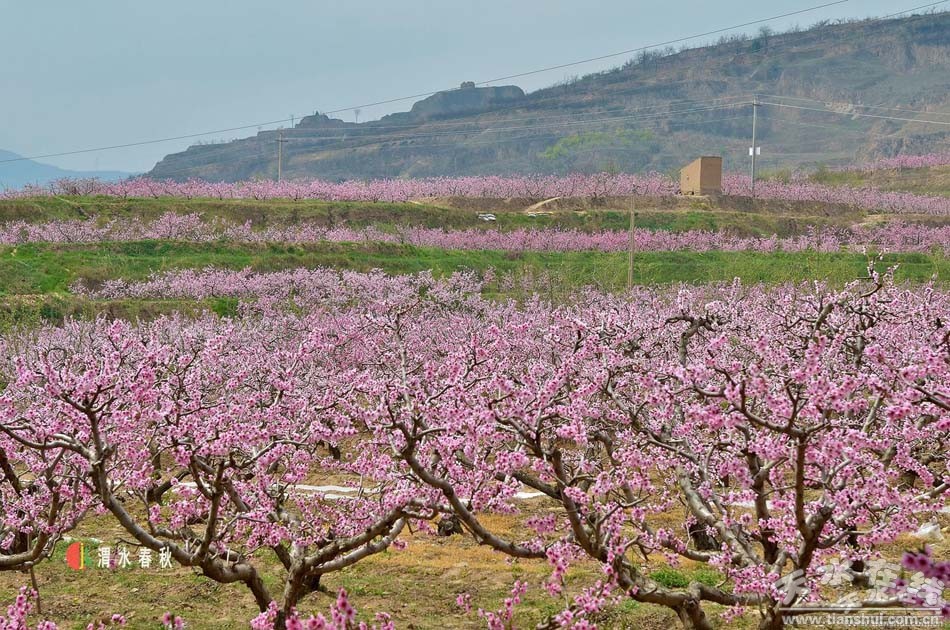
x: 656, y: 112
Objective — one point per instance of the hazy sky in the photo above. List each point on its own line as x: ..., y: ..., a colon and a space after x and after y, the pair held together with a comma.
x: 78, y: 74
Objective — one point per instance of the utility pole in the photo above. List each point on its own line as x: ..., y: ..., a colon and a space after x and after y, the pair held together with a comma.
x: 631, y: 247
x: 753, y: 150
x: 280, y: 152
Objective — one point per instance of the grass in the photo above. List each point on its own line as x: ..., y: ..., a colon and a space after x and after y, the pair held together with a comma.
x: 738, y: 215
x: 418, y: 587
x: 922, y: 181
x: 27, y: 311
x: 50, y: 269
x: 35, y: 279
x: 676, y: 578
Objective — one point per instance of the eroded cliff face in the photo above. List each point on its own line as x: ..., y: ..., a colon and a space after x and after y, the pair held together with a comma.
x: 894, y: 63
x: 466, y: 100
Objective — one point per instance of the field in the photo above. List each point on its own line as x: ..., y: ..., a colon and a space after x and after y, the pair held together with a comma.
x: 935, y: 180
x: 35, y: 278
x: 112, y: 311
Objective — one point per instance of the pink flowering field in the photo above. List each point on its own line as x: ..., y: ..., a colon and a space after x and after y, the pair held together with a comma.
x: 357, y: 450
x: 891, y: 237
x: 799, y: 189
x: 703, y: 452
x: 901, y: 162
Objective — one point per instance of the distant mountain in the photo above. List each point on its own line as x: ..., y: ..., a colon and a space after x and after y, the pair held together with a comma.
x: 23, y: 172
x: 656, y: 112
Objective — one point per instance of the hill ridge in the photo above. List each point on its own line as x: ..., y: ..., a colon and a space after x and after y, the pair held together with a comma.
x: 900, y: 62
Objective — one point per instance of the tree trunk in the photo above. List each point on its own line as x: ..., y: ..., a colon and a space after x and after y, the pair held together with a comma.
x: 772, y: 621
x: 449, y: 525
x: 299, y: 584
x: 701, y: 538
x: 692, y: 616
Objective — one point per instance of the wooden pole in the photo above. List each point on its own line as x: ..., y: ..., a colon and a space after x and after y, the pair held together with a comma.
x: 631, y: 248
x: 280, y: 152
x: 755, y: 108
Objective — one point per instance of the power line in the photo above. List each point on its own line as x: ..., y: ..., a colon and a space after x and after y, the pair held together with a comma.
x: 232, y: 146
x: 589, y: 121
x: 598, y: 58
x: 527, y: 136
x: 638, y: 118
x: 238, y: 161
x: 533, y: 101
x: 651, y: 118
x: 816, y: 125
x: 403, y: 98
x: 612, y: 94
x: 629, y: 51
x: 832, y: 103
x: 676, y: 41
x: 615, y: 93
x: 143, y: 142
x: 643, y: 48
x: 658, y: 119
x: 628, y: 118
x: 831, y: 111
x: 785, y: 43
x: 374, y: 127
x: 388, y: 138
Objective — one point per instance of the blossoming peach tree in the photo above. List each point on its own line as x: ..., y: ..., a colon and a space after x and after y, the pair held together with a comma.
x: 195, y: 437
x: 760, y: 432
x: 778, y: 429
x: 588, y: 185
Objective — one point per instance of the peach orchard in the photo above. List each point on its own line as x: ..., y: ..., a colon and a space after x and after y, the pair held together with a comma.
x: 784, y: 427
